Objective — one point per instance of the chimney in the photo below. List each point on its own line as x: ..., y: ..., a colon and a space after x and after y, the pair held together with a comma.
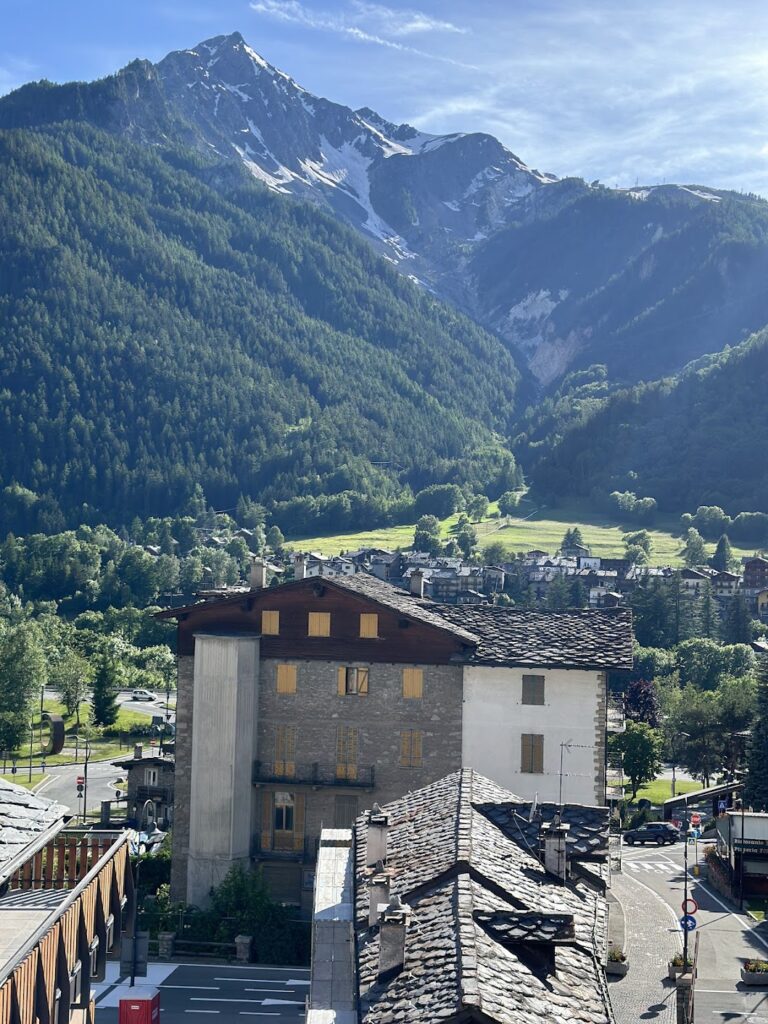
x: 417, y: 583
x: 137, y: 752
x: 258, y: 574
x: 378, y: 893
x: 376, y: 843
x: 299, y: 566
x: 554, y: 836
x: 393, y: 926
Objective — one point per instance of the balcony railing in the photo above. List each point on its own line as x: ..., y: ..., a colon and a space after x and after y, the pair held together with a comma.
x: 314, y: 774
x: 158, y: 794
x: 615, y: 718
x: 284, y: 847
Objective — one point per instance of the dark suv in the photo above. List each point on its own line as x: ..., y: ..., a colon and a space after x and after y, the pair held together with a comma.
x: 659, y: 832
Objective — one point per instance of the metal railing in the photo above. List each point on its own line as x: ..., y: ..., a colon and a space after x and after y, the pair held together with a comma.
x: 615, y: 716
x: 297, y: 848
x: 314, y: 774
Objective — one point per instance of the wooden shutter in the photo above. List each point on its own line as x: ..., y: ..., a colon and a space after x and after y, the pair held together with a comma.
x: 286, y: 679
x: 346, y: 752
x: 319, y: 624
x: 538, y: 754
x: 270, y: 623
x: 525, y: 752
x: 369, y: 626
x: 298, y: 822
x: 341, y: 681
x: 285, y: 750
x: 362, y: 681
x: 533, y: 689
x: 266, y: 821
x: 413, y: 683
x: 405, y: 748
x: 416, y: 742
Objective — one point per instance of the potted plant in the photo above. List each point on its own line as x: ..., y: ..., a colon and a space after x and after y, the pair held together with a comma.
x: 617, y: 962
x: 676, y: 965
x: 755, y: 972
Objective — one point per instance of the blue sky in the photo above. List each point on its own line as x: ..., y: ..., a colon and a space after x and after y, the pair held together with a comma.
x: 619, y: 90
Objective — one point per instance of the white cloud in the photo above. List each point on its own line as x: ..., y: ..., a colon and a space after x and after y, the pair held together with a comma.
x: 364, y: 23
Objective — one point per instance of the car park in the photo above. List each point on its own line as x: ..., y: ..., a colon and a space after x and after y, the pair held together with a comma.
x: 658, y: 832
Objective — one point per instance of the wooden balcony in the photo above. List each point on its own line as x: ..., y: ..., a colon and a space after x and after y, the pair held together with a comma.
x: 344, y: 776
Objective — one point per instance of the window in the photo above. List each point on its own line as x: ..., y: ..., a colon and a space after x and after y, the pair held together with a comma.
x: 413, y: 683
x: 532, y: 754
x: 346, y: 752
x: 369, y: 626
x: 286, y: 679
x: 285, y: 751
x: 319, y: 624
x: 284, y: 807
x: 344, y: 811
x: 352, y: 680
x: 150, y: 776
x: 533, y: 689
x: 410, y: 748
x: 270, y: 623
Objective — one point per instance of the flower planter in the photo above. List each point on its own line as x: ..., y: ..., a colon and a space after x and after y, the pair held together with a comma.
x: 755, y: 978
x: 617, y: 967
x: 673, y: 971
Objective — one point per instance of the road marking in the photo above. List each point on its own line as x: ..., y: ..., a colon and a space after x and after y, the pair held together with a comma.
x: 271, y: 991
x: 216, y: 999
x: 201, y: 1011
x: 259, y: 1013
x: 727, y: 909
x: 207, y: 988
x: 282, y: 1002
x: 295, y: 981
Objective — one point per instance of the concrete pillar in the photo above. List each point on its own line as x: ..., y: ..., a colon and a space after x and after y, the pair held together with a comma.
x: 106, y: 809
x: 243, y: 945
x: 166, y: 942
x: 684, y: 983
x: 225, y: 697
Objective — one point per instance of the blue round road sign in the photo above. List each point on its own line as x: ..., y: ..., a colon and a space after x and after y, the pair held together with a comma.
x: 687, y: 922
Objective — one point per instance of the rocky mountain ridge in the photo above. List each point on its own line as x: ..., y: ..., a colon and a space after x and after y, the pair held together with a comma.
x: 567, y: 273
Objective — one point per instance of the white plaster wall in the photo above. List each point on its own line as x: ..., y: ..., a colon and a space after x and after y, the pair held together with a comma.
x: 494, y: 718
x: 223, y: 737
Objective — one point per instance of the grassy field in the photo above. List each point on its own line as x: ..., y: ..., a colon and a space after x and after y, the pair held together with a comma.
x: 661, y: 789
x: 533, y: 527
x: 21, y: 778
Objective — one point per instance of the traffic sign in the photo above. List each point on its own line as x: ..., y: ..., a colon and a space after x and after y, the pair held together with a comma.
x: 687, y: 922
x: 689, y: 905
x: 80, y: 780
x: 695, y: 819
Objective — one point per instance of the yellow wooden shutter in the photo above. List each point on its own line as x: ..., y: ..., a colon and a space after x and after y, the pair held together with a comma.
x: 416, y: 737
x: 341, y: 681
x: 319, y: 624
x: 298, y: 822
x: 369, y: 626
x: 405, y: 748
x: 362, y: 681
x: 266, y: 821
x: 290, y: 750
x: 270, y: 623
x: 413, y: 683
x: 286, y: 679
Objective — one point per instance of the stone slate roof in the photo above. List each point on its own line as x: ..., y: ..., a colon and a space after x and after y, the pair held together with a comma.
x: 588, y: 834
x: 492, y: 935
x: 581, y: 638
x: 24, y: 818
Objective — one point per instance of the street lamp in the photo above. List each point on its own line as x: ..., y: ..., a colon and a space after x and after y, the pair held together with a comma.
x: 677, y: 736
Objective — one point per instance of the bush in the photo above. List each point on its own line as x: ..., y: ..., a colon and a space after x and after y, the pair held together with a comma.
x: 756, y: 966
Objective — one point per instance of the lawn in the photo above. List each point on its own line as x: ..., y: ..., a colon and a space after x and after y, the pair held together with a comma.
x: 533, y: 527
x: 661, y: 789
x: 21, y: 778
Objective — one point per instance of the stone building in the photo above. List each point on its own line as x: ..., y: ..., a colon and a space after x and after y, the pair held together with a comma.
x: 150, y: 780
x: 299, y: 704
x: 457, y: 903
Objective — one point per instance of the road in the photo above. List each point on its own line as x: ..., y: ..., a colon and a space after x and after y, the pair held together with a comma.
x: 213, y: 990
x: 60, y: 784
x: 725, y: 938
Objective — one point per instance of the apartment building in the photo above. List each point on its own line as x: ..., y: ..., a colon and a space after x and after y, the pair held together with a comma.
x: 299, y: 704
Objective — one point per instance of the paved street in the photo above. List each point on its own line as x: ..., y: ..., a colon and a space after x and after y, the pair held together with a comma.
x: 225, y: 992
x: 61, y: 785
x: 651, y: 888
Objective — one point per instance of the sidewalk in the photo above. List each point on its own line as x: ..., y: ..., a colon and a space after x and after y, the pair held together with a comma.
x: 650, y: 937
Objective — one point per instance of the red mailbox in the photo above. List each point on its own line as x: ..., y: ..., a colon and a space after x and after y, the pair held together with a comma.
x: 142, y: 1008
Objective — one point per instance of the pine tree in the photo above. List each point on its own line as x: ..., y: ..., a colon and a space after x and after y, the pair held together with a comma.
x: 756, y: 788
x: 723, y: 559
x: 707, y: 612
x: 737, y: 627
x: 578, y: 594
x: 106, y: 684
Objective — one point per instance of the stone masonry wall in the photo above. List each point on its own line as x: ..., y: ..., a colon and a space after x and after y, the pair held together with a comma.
x: 183, y: 777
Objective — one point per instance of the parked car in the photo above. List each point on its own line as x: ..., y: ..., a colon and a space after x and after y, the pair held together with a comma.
x: 143, y: 695
x: 659, y: 832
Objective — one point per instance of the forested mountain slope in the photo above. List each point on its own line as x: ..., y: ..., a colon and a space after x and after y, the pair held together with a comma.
x: 157, y: 332
x: 642, y: 280
x: 699, y: 439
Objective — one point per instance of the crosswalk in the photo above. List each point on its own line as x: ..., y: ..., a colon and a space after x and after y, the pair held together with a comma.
x: 659, y: 867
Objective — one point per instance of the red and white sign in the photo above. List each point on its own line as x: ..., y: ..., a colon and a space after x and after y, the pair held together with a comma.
x: 689, y: 906
x: 695, y: 819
